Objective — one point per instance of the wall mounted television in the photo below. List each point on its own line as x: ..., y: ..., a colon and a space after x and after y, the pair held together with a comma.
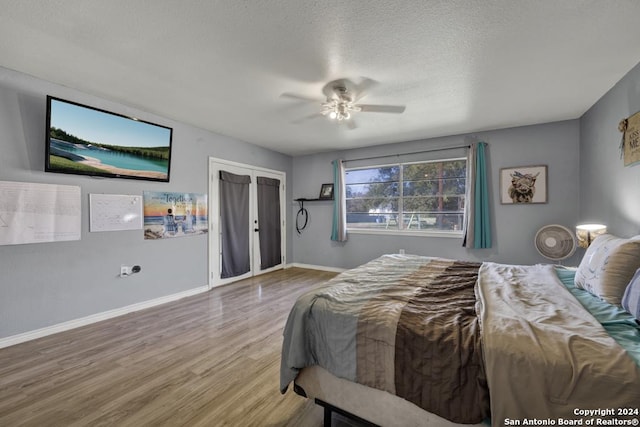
x: 85, y: 140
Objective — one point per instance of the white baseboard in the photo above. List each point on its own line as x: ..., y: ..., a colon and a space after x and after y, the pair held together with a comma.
x: 71, y: 324
x: 316, y: 267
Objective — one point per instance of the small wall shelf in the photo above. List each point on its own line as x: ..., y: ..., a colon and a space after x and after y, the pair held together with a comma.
x: 326, y: 193
x: 301, y: 201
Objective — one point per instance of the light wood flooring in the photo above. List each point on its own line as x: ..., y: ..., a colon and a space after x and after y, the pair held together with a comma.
x: 212, y: 359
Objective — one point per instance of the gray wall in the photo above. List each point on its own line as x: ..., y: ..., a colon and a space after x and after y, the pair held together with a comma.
x: 48, y: 283
x: 555, y: 145
x: 609, y: 191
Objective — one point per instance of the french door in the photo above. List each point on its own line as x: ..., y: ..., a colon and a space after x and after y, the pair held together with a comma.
x: 247, y: 221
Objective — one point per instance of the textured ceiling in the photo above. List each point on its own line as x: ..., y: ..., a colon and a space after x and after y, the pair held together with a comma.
x: 457, y: 66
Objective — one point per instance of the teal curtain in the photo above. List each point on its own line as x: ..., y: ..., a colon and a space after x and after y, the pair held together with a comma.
x: 339, y: 229
x: 477, y: 230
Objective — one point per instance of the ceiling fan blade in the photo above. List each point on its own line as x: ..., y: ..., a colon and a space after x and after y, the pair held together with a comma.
x: 363, y: 87
x: 300, y: 97
x: 395, y: 109
x: 305, y: 118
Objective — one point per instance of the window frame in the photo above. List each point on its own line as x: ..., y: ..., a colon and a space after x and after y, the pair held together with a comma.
x: 403, y: 231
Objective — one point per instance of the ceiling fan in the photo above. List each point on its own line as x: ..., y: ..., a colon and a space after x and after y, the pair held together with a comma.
x: 341, y: 97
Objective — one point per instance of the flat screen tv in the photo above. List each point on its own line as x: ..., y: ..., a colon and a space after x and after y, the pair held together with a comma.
x: 85, y: 140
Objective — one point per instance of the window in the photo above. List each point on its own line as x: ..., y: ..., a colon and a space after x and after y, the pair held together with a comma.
x: 407, y: 197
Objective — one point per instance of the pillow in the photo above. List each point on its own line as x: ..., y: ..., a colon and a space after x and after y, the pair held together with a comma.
x: 608, y: 265
x: 631, y: 298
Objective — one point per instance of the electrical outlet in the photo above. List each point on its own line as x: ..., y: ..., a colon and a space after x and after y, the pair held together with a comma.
x: 124, y: 271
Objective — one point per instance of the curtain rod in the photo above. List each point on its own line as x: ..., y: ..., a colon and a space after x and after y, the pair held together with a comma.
x: 407, y: 154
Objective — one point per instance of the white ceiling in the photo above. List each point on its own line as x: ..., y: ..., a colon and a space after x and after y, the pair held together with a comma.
x: 459, y: 66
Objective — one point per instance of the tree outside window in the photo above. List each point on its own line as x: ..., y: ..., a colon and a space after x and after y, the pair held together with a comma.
x: 407, y: 196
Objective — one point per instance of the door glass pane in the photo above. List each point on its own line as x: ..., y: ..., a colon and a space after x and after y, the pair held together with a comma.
x: 269, y: 222
x: 234, y: 220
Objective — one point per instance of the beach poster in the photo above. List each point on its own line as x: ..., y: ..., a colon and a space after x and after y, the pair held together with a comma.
x: 170, y: 214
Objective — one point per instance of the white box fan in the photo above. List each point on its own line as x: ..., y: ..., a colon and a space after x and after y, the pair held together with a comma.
x: 555, y: 242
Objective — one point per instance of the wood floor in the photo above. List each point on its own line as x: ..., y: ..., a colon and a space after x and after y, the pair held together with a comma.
x: 208, y: 360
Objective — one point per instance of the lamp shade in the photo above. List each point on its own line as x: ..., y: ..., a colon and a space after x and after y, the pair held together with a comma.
x: 586, y: 233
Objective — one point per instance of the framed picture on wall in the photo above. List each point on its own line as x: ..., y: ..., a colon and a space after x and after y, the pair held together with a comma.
x: 326, y: 192
x: 523, y: 185
x: 630, y: 128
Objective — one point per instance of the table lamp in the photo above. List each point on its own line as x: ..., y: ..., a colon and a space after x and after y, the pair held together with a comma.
x: 586, y: 233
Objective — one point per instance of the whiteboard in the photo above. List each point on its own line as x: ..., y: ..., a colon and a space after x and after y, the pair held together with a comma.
x: 114, y: 212
x: 35, y: 213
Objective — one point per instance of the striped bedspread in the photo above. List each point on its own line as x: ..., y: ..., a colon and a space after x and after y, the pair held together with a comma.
x: 400, y: 323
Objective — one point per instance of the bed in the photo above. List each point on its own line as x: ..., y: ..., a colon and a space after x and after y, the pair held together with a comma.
x: 411, y: 340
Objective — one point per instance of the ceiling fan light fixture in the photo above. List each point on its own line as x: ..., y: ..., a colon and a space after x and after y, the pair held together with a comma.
x: 339, y: 109
x: 340, y: 102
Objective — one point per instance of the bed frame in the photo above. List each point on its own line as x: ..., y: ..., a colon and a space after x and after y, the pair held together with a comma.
x: 365, y: 405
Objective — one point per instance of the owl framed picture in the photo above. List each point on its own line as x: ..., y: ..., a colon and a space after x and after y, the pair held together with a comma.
x: 523, y: 185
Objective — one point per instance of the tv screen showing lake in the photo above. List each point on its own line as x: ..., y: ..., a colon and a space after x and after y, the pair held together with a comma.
x: 89, y: 141
x: 107, y: 157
